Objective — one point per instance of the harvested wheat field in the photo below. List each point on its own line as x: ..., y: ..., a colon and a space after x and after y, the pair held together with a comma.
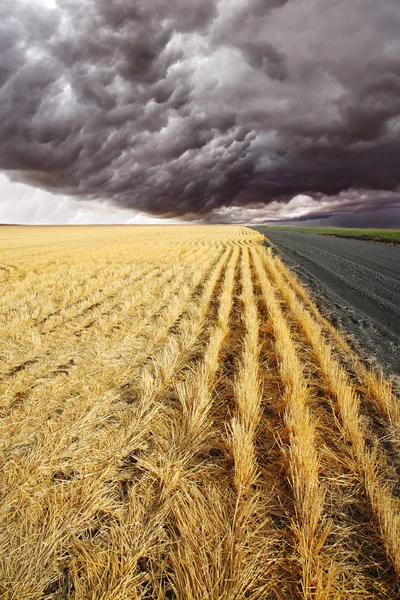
x: 178, y: 421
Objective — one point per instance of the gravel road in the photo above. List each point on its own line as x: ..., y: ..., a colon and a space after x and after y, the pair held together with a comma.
x: 358, y: 282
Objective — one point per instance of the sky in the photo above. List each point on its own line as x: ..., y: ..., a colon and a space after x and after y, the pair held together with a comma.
x: 215, y: 111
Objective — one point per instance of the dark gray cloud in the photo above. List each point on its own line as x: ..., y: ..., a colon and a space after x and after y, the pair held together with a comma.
x: 204, y: 109
x: 380, y: 218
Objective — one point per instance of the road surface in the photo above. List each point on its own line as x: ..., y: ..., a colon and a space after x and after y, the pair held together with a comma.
x: 358, y: 281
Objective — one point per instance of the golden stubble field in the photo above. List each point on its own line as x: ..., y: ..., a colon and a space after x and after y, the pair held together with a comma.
x: 178, y: 421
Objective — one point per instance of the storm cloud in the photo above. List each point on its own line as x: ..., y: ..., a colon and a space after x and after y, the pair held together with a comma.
x: 207, y: 109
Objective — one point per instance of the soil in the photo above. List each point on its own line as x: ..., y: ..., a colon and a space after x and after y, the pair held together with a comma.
x: 356, y: 283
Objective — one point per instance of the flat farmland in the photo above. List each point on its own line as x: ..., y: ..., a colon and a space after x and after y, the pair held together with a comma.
x: 178, y: 421
x: 357, y: 280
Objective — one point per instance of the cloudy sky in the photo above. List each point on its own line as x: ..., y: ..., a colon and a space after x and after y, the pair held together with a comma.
x: 209, y: 110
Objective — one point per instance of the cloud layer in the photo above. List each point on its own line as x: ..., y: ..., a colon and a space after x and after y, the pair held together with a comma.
x: 205, y: 109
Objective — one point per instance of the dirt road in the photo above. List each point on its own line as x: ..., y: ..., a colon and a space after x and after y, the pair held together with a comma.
x: 357, y: 281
